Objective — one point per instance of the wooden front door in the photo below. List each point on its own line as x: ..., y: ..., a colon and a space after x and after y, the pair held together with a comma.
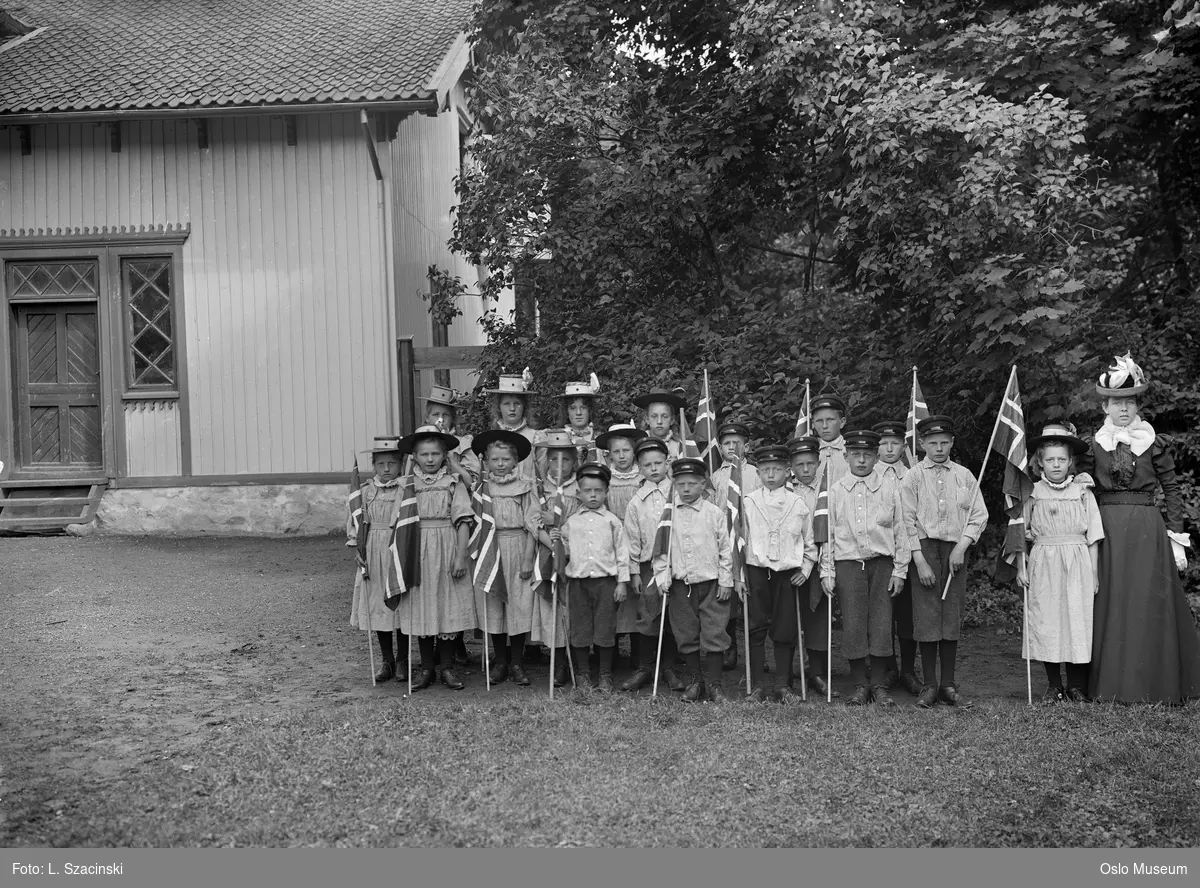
x: 57, y: 387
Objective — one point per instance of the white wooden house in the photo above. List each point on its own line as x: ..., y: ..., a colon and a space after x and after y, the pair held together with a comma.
x: 216, y: 218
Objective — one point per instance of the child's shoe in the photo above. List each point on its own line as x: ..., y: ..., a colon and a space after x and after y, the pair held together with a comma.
x: 1053, y: 695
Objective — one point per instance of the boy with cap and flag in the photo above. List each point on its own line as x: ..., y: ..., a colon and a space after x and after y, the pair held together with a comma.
x: 597, y: 553
x: 944, y: 514
x: 805, y: 454
x: 698, y: 566
x: 732, y: 439
x: 893, y: 466
x: 866, y: 562
x: 642, y: 517
x: 780, y: 555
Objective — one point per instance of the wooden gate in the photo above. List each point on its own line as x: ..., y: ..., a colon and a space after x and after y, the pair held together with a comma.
x: 413, y: 361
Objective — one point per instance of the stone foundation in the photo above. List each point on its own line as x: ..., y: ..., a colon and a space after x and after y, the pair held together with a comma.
x: 260, y: 510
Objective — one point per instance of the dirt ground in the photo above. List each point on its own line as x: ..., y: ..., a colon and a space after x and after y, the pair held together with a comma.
x: 118, y: 652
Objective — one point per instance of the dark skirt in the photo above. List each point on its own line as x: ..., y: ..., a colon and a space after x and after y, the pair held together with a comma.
x: 1145, y: 647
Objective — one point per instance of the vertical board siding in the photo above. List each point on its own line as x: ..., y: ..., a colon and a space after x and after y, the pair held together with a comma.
x: 425, y: 163
x: 283, y: 285
x: 152, y: 433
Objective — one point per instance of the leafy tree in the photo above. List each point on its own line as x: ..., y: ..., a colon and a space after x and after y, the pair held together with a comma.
x: 780, y: 190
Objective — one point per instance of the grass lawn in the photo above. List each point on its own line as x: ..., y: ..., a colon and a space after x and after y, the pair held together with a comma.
x: 624, y: 772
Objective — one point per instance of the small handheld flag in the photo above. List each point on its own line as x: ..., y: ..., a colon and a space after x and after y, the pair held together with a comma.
x: 485, y: 546
x: 662, y: 546
x: 404, y: 562
x: 358, y: 515
x: 1010, y: 443
x: 804, y: 421
x: 706, y: 427
x: 917, y: 411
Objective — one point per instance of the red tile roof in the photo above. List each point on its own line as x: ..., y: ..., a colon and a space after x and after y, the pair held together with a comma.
x: 91, y: 55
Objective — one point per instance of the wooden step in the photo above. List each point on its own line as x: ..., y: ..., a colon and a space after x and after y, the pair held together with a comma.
x: 19, y: 483
x: 34, y: 513
x: 26, y: 502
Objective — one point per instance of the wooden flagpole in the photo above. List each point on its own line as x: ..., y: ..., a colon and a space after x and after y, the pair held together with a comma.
x: 662, y: 616
x: 983, y: 468
x: 370, y: 649
x: 800, y: 642
x: 829, y: 598
x: 745, y: 600
x: 1028, y: 658
x: 487, y: 636
x: 912, y: 407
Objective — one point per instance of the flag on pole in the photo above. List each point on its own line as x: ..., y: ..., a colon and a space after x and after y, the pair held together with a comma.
x: 917, y: 411
x: 404, y: 564
x: 549, y: 562
x: 804, y: 422
x: 485, y: 546
x: 355, y: 500
x: 821, y: 510
x: 685, y: 436
x: 358, y: 516
x: 662, y: 546
x: 1009, y: 442
x: 706, y: 427
x: 733, y: 514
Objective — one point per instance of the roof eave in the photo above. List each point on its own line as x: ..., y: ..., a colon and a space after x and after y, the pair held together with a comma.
x: 428, y: 105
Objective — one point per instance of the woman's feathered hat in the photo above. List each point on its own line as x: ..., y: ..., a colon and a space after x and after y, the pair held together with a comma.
x: 1123, y: 379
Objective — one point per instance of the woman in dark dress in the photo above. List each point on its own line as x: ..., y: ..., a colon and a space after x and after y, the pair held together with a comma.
x: 1145, y: 647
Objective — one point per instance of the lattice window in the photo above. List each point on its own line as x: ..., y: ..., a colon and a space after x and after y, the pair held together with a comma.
x: 149, y: 324
x: 52, y: 280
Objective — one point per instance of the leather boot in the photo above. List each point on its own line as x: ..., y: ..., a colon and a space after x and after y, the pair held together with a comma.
x: 450, y: 680
x: 694, y: 690
x: 638, y: 680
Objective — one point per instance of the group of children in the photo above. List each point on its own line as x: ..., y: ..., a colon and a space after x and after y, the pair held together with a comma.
x: 599, y: 535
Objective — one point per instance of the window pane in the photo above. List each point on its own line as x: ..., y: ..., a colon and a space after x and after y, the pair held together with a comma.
x: 150, y: 328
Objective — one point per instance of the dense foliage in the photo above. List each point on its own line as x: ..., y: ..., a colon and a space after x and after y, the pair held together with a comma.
x: 777, y: 190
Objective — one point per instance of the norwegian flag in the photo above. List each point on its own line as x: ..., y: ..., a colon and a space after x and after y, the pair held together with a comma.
x: 358, y: 517
x: 706, y: 427
x: 404, y: 563
x: 550, y: 562
x: 733, y: 514
x: 917, y: 411
x: 662, y: 546
x: 804, y: 422
x: 821, y: 510
x: 485, y: 546
x: 1009, y: 442
x: 689, y: 447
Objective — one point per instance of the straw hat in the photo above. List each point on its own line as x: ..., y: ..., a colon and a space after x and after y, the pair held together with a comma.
x: 481, y: 442
x: 588, y: 389
x: 620, y: 430
x: 1061, y: 433
x: 513, y: 384
x: 409, y: 443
